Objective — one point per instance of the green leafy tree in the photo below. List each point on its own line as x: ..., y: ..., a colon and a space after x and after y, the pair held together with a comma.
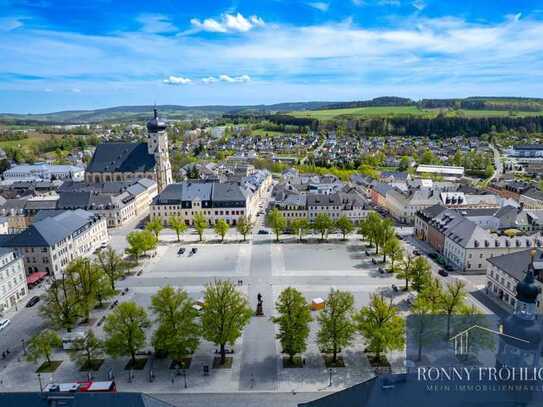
x: 244, y: 226
x: 336, y: 326
x: 300, y: 226
x: 293, y: 321
x: 323, y: 224
x: 381, y: 326
x: 88, y: 283
x: 406, y: 271
x: 125, y: 330
x: 432, y: 294
x: 88, y: 349
x: 140, y: 242
x: 155, y: 226
x: 225, y: 314
x: 61, y: 306
x: 277, y: 222
x: 178, y: 332
x: 394, y: 250
x: 404, y: 163
x: 221, y: 228
x: 422, y: 325
x: 177, y: 224
x: 112, y: 265
x: 41, y: 346
x: 369, y: 228
x: 345, y: 226
x: 420, y: 273
x: 384, y: 233
x: 200, y: 224
x: 452, y: 301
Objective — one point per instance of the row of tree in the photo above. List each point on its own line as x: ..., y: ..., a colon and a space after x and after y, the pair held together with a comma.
x: 179, y: 326
x: 323, y: 224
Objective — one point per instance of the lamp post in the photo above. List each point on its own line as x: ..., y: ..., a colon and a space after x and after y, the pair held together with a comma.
x: 24, y: 347
x: 185, y: 377
x: 41, y: 385
x: 330, y: 371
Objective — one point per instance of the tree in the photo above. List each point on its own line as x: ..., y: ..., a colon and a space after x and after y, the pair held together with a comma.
x: 293, y: 320
x: 336, y: 326
x: 41, y: 346
x: 155, y: 227
x: 244, y: 226
x: 125, y: 330
x: 87, y: 281
x: 404, y: 163
x: 432, y: 294
x: 61, y: 305
x: 369, y: 228
x: 277, y: 222
x: 406, y: 271
x: 394, y: 250
x: 140, y: 242
x: 344, y: 225
x: 225, y: 314
x: 422, y: 324
x: 178, y: 225
x: 112, y: 265
x: 87, y: 350
x: 452, y: 301
x: 300, y: 226
x: 200, y: 224
x: 420, y: 273
x: 381, y: 326
x: 385, y: 232
x: 323, y: 224
x: 221, y: 228
x: 178, y: 333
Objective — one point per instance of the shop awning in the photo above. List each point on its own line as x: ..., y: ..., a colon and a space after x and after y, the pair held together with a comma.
x: 35, y: 277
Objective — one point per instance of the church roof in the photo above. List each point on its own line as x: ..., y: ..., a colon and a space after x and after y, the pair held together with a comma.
x: 121, y: 157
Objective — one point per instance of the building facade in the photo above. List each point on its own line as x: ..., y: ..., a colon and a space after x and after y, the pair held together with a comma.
x: 44, y: 172
x: 13, y: 287
x: 50, y: 244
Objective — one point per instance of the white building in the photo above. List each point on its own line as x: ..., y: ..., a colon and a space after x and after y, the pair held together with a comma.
x: 13, y: 286
x: 440, y: 170
x: 45, y: 172
x: 50, y: 244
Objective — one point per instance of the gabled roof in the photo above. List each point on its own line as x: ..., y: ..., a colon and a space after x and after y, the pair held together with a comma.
x: 122, y: 157
x: 516, y: 264
x: 49, y: 231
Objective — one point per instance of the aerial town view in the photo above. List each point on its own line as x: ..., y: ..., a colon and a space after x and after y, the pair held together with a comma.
x: 272, y: 203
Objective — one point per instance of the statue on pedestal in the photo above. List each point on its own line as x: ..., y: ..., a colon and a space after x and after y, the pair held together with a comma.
x: 259, y: 311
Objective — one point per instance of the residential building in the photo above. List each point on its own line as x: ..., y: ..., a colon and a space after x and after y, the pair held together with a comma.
x: 13, y: 287
x: 532, y: 198
x: 228, y: 201
x: 118, y: 202
x: 505, y: 272
x: 50, y: 244
x: 308, y: 206
x: 131, y: 161
x: 526, y: 150
x: 44, y: 172
x: 445, y: 171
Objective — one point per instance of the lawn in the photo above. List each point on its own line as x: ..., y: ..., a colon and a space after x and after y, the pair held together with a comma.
x: 22, y: 143
x: 263, y: 132
x: 398, y: 111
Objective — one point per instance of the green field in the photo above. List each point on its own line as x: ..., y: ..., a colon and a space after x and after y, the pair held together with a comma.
x: 23, y: 143
x: 262, y: 132
x: 398, y: 111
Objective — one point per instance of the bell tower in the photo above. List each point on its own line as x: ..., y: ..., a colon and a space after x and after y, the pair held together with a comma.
x: 157, y: 144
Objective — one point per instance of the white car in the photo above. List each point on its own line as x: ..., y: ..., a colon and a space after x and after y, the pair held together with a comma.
x: 4, y: 323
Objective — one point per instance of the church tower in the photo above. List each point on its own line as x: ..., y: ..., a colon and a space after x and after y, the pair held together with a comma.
x: 157, y: 145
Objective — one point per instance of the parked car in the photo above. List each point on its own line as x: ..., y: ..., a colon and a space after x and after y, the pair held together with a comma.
x: 4, y: 323
x: 194, y: 250
x: 181, y: 251
x: 263, y: 232
x: 416, y: 253
x: 443, y: 273
x: 381, y: 270
x: 32, y: 301
x: 433, y: 256
x: 448, y: 267
x: 395, y: 288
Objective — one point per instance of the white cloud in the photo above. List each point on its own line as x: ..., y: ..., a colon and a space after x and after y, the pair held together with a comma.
x: 176, y: 80
x: 358, y: 2
x: 319, y: 5
x: 209, y: 79
x: 419, y: 4
x: 234, y: 79
x: 10, y: 23
x: 156, y: 23
x: 228, y: 23
x: 76, y: 90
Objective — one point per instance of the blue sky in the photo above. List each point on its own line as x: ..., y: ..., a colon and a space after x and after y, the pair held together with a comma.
x: 67, y: 55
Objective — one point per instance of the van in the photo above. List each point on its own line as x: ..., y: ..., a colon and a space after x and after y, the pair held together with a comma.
x: 69, y: 338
